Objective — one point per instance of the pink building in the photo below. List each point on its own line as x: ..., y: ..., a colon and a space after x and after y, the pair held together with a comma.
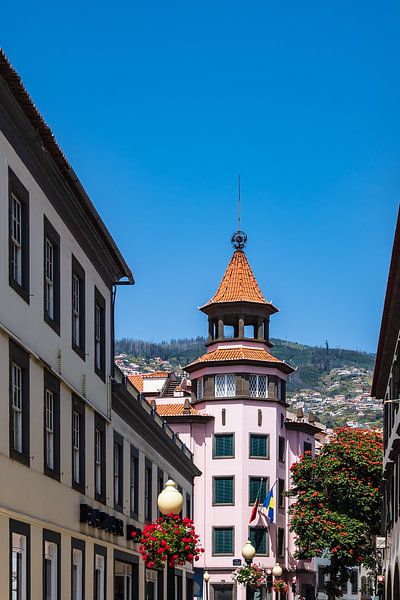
x: 242, y: 435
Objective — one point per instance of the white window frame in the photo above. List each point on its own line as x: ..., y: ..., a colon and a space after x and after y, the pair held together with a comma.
x: 49, y: 428
x: 125, y: 571
x: 200, y: 388
x: 225, y: 385
x: 49, y: 278
x: 76, y: 443
x: 257, y: 389
x: 17, y: 407
x: 16, y: 239
x: 98, y: 458
x: 99, y: 572
x: 77, y: 574
x: 97, y: 336
x: 19, y: 583
x: 76, y: 310
x: 51, y: 555
x: 117, y: 450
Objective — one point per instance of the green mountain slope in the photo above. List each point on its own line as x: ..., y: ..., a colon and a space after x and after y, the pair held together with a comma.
x: 313, y: 362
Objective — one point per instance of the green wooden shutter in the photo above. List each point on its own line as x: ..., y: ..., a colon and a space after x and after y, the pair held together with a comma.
x: 223, y: 444
x: 223, y: 490
x: 258, y: 445
x: 254, y: 486
x: 223, y: 540
x: 258, y: 537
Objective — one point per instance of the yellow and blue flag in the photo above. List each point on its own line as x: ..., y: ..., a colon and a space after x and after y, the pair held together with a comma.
x: 269, y: 505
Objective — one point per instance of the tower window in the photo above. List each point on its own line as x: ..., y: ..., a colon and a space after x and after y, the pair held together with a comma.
x: 224, y: 445
x: 223, y: 490
x: 258, y: 386
x: 200, y: 388
x: 259, y: 446
x: 225, y: 386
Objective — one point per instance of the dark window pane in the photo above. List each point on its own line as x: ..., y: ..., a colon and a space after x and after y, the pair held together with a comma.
x: 223, y: 444
x: 223, y: 540
x: 259, y: 446
x: 223, y: 490
x: 256, y: 486
x: 258, y: 537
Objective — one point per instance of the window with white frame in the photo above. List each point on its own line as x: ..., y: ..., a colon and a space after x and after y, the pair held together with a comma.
x: 225, y: 385
x: 97, y: 337
x: 99, y: 579
x: 98, y: 461
x: 76, y: 311
x: 50, y: 572
x: 117, y: 474
x: 49, y: 278
x: 49, y: 429
x: 258, y: 386
x: 200, y: 388
x: 76, y: 446
x: 16, y: 406
x: 16, y: 239
x: 18, y: 575
x: 77, y: 574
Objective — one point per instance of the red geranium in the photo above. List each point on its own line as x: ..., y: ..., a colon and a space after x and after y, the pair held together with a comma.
x: 169, y: 540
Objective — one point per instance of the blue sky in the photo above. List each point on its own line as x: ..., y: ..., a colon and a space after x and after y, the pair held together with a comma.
x: 159, y: 105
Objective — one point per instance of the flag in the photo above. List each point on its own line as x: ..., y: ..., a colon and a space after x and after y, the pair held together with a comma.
x: 254, y: 510
x: 268, y: 505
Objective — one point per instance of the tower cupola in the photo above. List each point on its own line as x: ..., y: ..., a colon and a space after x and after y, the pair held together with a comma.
x: 238, y: 310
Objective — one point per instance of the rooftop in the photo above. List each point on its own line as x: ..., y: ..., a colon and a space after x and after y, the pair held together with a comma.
x: 240, y: 353
x: 238, y: 283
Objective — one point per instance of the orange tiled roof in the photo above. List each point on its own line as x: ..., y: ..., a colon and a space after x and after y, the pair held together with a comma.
x: 160, y: 374
x: 238, y: 283
x: 175, y: 410
x: 137, y: 381
x: 221, y: 354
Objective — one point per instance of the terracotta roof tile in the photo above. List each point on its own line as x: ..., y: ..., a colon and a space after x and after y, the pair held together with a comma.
x: 241, y: 353
x: 137, y: 381
x: 238, y: 283
x: 175, y: 410
x: 155, y: 374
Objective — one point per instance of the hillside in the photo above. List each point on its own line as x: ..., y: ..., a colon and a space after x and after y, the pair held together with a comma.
x: 313, y: 362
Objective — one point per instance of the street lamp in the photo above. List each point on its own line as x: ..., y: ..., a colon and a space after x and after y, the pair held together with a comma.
x: 206, y: 579
x: 248, y: 553
x: 277, y: 572
x: 170, y: 501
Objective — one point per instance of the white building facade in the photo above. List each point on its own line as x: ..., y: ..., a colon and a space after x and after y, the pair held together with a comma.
x: 82, y: 458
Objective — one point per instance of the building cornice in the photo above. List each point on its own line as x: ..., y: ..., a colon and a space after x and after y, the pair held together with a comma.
x: 303, y: 426
x: 33, y: 141
x: 132, y: 412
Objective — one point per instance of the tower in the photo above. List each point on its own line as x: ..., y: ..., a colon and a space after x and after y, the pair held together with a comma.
x: 242, y: 436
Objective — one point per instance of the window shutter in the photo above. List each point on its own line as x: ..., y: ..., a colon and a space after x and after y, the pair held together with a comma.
x: 223, y: 490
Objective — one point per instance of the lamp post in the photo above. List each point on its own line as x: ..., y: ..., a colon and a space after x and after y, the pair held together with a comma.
x: 277, y: 572
x: 170, y: 501
x: 248, y: 553
x: 206, y: 579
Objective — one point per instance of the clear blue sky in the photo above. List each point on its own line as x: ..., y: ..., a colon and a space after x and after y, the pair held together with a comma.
x: 159, y: 105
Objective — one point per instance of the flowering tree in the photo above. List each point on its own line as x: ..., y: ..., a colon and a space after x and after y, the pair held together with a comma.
x: 169, y: 540
x: 337, y: 508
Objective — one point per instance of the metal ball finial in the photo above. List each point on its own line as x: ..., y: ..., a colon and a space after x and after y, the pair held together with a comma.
x: 239, y: 240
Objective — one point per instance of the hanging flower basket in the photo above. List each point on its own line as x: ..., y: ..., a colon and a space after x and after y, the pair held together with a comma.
x: 169, y: 540
x: 249, y: 574
x: 280, y: 586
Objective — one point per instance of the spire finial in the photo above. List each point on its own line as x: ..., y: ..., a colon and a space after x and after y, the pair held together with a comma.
x: 239, y: 238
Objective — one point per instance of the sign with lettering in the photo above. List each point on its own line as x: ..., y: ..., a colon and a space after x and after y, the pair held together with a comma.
x: 237, y: 562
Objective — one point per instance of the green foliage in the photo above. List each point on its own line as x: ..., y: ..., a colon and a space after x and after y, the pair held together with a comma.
x: 313, y: 362
x: 338, y: 501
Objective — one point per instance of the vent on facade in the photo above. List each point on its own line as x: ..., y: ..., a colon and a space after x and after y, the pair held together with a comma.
x: 300, y: 414
x: 59, y: 362
x: 84, y: 385
x: 259, y: 417
x: 223, y: 416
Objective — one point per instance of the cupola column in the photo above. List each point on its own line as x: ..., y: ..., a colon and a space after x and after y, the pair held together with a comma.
x: 241, y: 327
x: 210, y: 330
x: 220, y: 329
x: 260, y: 330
